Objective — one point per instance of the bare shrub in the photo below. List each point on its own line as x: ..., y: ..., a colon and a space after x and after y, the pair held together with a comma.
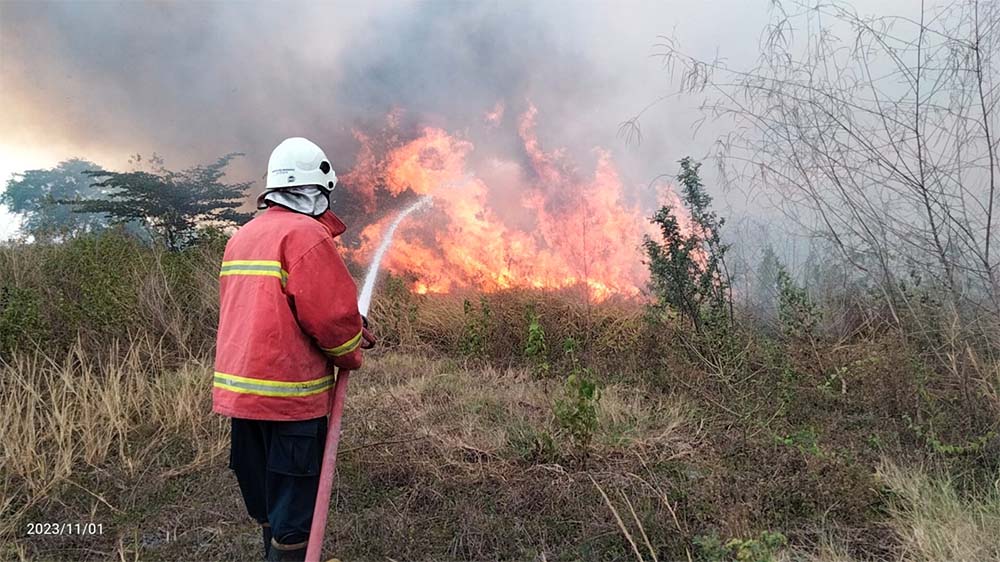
x: 878, y: 135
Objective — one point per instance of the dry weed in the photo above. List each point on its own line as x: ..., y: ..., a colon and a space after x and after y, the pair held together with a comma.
x: 57, y: 416
x: 936, y: 522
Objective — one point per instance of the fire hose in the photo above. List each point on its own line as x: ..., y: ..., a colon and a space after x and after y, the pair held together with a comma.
x: 327, y: 471
x: 322, y: 508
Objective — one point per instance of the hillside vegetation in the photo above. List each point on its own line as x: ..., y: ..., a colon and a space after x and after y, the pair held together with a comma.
x: 513, y: 426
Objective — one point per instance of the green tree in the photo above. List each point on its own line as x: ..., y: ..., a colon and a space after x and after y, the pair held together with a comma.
x: 687, y: 270
x: 39, y: 197
x: 765, y: 288
x: 796, y: 311
x: 171, y: 206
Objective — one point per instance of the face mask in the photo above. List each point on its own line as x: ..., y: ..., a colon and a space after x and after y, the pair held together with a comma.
x: 307, y: 199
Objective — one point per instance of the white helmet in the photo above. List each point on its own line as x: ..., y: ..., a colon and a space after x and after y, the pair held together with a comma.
x: 298, y: 161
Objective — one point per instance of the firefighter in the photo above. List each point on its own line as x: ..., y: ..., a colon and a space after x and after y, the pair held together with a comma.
x: 288, y: 316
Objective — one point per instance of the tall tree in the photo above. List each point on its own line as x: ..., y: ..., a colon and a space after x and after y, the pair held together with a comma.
x: 764, y: 298
x: 40, y: 196
x: 171, y: 206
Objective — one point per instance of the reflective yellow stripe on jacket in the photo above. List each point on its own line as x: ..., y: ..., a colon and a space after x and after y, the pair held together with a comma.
x: 265, y: 268
x: 344, y: 348
x: 261, y: 387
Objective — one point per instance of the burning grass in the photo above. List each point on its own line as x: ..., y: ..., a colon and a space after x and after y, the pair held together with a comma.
x: 494, y: 327
x: 559, y: 224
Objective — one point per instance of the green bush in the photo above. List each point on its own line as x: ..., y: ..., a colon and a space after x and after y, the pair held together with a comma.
x: 106, y: 286
x: 478, y: 322
x: 91, y: 283
x: 20, y: 320
x: 535, y: 348
x: 796, y: 312
x: 576, y: 409
x: 764, y: 548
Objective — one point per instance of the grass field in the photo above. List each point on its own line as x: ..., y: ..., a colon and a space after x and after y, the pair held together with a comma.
x: 438, y: 461
x: 472, y: 433
x: 441, y: 460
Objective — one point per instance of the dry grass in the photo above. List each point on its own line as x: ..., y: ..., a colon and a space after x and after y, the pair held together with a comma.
x: 60, y: 417
x: 937, y: 522
x: 85, y: 435
x: 105, y: 437
x: 609, y: 332
x: 934, y: 520
x: 459, y: 407
x: 828, y: 551
x: 452, y: 453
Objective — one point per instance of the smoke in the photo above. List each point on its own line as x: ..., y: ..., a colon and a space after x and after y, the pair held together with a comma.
x: 524, y: 100
x: 194, y: 80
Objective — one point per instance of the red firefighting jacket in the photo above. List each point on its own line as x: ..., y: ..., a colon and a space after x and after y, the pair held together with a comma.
x: 288, y: 316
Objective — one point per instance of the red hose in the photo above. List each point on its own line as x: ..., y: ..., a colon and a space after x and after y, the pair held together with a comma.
x: 322, y: 509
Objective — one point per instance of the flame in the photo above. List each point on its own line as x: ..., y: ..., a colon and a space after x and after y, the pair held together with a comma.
x: 504, y: 223
x: 363, y: 178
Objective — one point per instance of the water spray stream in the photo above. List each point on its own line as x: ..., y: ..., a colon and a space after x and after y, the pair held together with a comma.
x: 365, y: 300
x: 322, y: 508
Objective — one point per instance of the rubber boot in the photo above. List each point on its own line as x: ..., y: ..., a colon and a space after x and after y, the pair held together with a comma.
x: 265, y: 531
x: 287, y: 552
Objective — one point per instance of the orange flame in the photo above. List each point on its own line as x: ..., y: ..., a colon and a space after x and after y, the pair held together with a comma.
x: 505, y: 225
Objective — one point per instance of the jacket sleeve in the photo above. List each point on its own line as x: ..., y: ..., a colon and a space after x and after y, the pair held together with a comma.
x: 326, y: 303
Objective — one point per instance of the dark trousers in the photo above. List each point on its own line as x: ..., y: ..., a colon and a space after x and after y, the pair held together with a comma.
x: 277, y: 466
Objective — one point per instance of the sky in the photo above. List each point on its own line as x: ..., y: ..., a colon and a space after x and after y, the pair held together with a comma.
x: 192, y: 81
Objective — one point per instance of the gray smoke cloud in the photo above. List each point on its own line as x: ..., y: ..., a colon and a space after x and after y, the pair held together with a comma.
x: 192, y: 81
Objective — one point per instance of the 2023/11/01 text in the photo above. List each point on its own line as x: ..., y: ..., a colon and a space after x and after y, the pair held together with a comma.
x: 65, y: 528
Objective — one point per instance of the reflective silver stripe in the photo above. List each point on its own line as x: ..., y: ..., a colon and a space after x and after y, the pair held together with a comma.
x: 271, y: 388
x: 252, y: 267
x: 344, y: 348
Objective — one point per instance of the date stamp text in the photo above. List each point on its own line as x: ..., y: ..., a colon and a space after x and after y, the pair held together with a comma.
x: 65, y: 529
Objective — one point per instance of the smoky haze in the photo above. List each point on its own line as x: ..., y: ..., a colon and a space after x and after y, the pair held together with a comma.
x: 191, y: 81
